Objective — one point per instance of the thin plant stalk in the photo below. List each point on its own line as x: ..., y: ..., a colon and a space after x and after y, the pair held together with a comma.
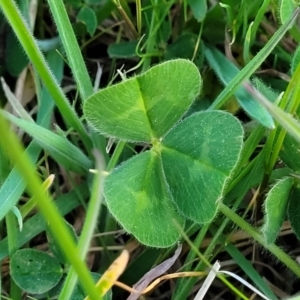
x: 88, y: 228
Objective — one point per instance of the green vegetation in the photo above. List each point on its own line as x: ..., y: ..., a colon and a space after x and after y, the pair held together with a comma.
x: 143, y: 126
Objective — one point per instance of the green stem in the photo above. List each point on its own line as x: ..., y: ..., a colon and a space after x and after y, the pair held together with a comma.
x: 204, y: 261
x: 116, y: 155
x: 150, y: 41
x: 12, y: 237
x: 127, y: 20
x: 290, y: 104
x: 259, y: 16
x: 278, y: 253
x: 14, y: 150
x: 87, y: 231
x: 139, y: 22
x: 31, y: 48
x: 184, y: 286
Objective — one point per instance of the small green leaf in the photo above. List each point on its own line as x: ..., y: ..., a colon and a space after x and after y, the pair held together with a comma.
x: 294, y: 211
x: 286, y: 9
x: 15, y: 58
x: 290, y: 154
x: 226, y: 71
x: 18, y: 215
x: 122, y: 50
x: 139, y: 198
x: 55, y: 248
x: 74, y: 3
x: 87, y: 16
x: 65, y: 153
x: 264, y: 89
x: 37, y: 224
x: 145, y: 107
x: 198, y: 156
x: 47, y: 45
x: 183, y: 47
x: 199, y: 8
x: 275, y: 208
x: 35, y: 271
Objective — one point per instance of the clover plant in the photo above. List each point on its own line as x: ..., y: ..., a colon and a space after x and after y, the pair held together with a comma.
x: 183, y: 174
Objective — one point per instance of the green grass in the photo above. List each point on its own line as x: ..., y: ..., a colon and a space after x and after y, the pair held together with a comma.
x: 192, y: 137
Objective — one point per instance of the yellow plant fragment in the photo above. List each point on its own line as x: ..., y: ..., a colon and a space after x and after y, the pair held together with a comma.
x: 112, y: 274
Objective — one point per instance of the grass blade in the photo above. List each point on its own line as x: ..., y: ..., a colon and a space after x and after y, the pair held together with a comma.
x: 14, y: 150
x: 249, y: 69
x: 65, y: 153
x: 72, y: 48
x: 31, y: 48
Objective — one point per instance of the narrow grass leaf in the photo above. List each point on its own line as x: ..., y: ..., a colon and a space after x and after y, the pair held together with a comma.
x: 284, y: 119
x: 36, y: 224
x: 275, y: 208
x: 65, y: 153
x: 18, y: 215
x: 248, y: 268
x: 226, y: 71
x: 253, y: 232
x: 30, y: 46
x: 14, y: 102
x: 71, y: 47
x: 26, y: 168
x: 14, y: 185
x: 145, y: 107
x: 256, y: 61
x: 245, y: 283
x: 138, y: 196
x: 296, y: 59
x: 31, y: 203
x: 258, y: 18
x: 198, y: 156
x: 246, y: 50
